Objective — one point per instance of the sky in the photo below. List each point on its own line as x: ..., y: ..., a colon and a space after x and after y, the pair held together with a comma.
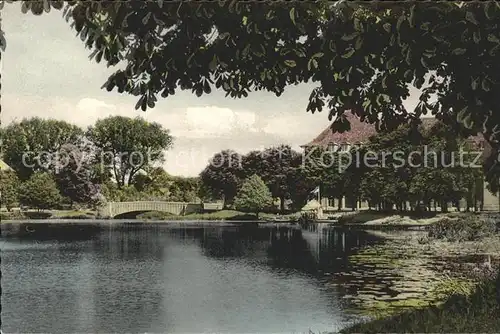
x: 46, y: 73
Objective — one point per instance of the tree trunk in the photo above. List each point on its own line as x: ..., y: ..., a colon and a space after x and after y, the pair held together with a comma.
x: 282, y: 204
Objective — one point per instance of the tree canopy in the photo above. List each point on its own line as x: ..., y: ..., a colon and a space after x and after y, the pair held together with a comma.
x: 254, y: 196
x: 128, y: 145
x: 363, y: 56
x: 33, y: 144
x: 40, y: 191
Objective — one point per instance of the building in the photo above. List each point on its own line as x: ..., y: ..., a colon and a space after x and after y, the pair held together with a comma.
x: 359, y: 135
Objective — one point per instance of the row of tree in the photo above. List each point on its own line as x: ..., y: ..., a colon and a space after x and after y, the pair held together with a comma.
x: 115, y: 159
x: 92, y: 166
x: 435, y: 176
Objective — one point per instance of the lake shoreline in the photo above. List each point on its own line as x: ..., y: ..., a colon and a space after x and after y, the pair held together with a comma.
x: 450, y: 261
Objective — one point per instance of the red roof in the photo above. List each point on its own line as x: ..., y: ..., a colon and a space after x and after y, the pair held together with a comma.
x: 361, y: 132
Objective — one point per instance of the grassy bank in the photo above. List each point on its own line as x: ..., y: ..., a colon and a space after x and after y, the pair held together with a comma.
x: 446, y: 278
x: 376, y: 218
x: 49, y: 214
x: 461, y: 313
x: 223, y: 215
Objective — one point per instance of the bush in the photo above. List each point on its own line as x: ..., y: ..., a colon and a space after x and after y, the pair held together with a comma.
x: 463, y: 229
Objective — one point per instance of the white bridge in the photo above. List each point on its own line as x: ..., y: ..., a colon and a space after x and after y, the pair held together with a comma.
x: 113, y: 209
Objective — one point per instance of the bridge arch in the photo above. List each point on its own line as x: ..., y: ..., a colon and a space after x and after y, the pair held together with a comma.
x: 114, y: 209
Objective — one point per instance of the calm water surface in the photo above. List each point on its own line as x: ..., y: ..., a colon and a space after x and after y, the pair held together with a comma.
x: 161, y: 279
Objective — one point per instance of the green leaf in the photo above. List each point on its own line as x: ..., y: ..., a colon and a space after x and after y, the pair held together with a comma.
x: 359, y: 43
x: 467, y: 121
x: 350, y: 37
x: 424, y: 64
x: 493, y: 38
x: 46, y: 6
x: 139, y: 103
x: 485, y: 84
x: 99, y: 55
x: 358, y: 26
x: 489, y: 10
x: 475, y: 83
x: 462, y: 114
x: 3, y: 41
x: 469, y: 16
x: 459, y: 51
x: 419, y: 82
x: 408, y: 56
x: 408, y: 74
x: 401, y: 19
x: 299, y: 53
x: 290, y: 63
x: 348, y: 54
x: 425, y: 26
x: 387, y: 27
x: 146, y: 17
x: 476, y: 36
x: 190, y: 59
x: 212, y: 66
x: 25, y: 7
x: 366, y: 103
x: 312, y: 63
x: 318, y: 55
x: 412, y: 16
x: 292, y: 15
x: 331, y: 45
x: 494, y: 50
x: 144, y: 104
x: 384, y: 97
x: 245, y: 51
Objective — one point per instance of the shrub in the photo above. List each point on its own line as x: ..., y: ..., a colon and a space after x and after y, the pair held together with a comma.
x: 468, y: 229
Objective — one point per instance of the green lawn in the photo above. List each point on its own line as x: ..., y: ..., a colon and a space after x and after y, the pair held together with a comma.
x: 48, y: 214
x: 218, y: 215
x: 476, y: 313
x: 366, y: 216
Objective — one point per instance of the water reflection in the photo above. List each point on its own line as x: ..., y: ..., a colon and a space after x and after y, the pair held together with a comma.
x: 154, y: 278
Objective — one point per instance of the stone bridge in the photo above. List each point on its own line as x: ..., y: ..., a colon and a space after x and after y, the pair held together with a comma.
x: 113, y: 209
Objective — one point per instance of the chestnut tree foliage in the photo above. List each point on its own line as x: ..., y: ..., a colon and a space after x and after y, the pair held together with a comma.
x: 362, y: 56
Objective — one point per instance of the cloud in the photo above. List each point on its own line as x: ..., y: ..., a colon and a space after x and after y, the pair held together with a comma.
x: 214, y: 122
x: 95, y: 107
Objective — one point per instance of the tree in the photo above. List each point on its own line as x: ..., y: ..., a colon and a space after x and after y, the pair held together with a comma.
x: 33, y: 144
x: 75, y: 178
x: 128, y: 145
x: 275, y: 166
x: 382, y: 47
x: 40, y: 191
x: 184, y: 189
x: 9, y: 191
x: 386, y: 181
x: 223, y: 175
x: 325, y: 168
x: 159, y: 183
x: 254, y: 196
x: 373, y: 51
x: 278, y: 166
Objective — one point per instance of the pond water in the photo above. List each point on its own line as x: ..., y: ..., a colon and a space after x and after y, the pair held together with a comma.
x: 136, y: 278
